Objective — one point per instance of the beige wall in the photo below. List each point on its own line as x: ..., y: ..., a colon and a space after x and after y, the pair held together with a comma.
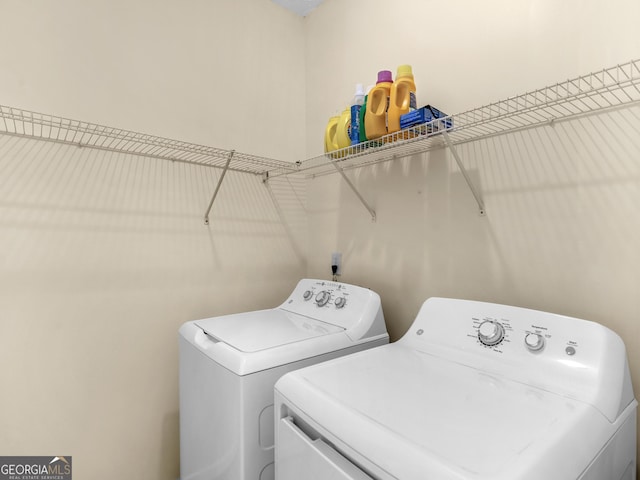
x: 103, y: 255
x: 209, y: 72
x: 562, y: 227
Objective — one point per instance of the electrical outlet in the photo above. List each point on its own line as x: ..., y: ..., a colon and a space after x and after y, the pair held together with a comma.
x: 336, y: 261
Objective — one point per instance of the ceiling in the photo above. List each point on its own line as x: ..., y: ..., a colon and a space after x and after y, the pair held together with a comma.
x: 299, y: 7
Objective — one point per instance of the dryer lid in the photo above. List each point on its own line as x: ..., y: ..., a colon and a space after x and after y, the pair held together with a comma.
x: 416, y: 416
x: 264, y: 329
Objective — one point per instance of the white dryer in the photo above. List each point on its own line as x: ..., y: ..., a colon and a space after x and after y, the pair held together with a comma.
x: 473, y: 391
x: 229, y: 365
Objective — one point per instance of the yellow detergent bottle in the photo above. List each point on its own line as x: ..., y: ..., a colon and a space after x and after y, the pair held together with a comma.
x: 375, y: 118
x: 403, y: 97
x: 330, y: 143
x: 343, y: 132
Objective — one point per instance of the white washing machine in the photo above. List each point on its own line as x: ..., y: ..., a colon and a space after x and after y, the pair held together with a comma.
x: 229, y: 365
x: 472, y: 391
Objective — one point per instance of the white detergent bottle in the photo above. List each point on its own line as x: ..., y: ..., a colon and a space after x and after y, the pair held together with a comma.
x: 356, y: 106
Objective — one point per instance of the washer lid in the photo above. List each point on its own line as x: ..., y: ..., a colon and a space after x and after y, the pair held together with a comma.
x: 415, y: 415
x: 260, y: 330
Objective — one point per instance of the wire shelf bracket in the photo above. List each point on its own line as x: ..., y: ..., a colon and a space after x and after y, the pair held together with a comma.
x: 215, y: 193
x: 283, y: 220
x: 470, y: 184
x: 355, y: 190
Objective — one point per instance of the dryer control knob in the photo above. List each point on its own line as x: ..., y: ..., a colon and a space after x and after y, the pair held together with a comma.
x: 322, y: 298
x: 340, y: 302
x: 307, y: 295
x: 534, y: 342
x: 490, y: 332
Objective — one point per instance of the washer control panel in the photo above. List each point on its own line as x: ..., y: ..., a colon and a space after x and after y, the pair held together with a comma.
x: 325, y: 293
x: 358, y: 310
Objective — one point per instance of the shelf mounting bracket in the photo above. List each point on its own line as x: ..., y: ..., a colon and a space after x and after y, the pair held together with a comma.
x: 215, y: 193
x: 472, y: 187
x: 355, y: 190
x: 283, y: 220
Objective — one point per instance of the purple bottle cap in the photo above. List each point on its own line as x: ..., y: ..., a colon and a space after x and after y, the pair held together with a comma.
x: 384, y: 76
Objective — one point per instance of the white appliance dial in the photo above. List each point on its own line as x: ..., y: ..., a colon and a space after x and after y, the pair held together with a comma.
x: 534, y: 342
x: 490, y: 333
x: 322, y: 298
x: 307, y: 295
x: 340, y: 302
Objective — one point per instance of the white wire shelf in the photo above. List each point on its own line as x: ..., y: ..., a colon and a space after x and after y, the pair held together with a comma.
x: 23, y: 123
x: 610, y: 88
x: 593, y: 93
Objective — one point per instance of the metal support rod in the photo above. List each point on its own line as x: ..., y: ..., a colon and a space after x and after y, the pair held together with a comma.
x: 215, y: 193
x: 472, y: 187
x: 285, y: 225
x: 355, y: 190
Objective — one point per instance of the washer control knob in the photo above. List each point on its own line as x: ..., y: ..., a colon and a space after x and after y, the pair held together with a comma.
x: 534, y: 342
x: 490, y: 332
x: 340, y: 302
x: 322, y: 298
x: 307, y: 295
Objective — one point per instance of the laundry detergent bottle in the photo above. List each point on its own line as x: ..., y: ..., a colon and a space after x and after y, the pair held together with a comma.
x: 356, y: 106
x: 343, y: 131
x: 330, y: 143
x: 402, y: 98
x: 375, y: 118
x: 362, y: 133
